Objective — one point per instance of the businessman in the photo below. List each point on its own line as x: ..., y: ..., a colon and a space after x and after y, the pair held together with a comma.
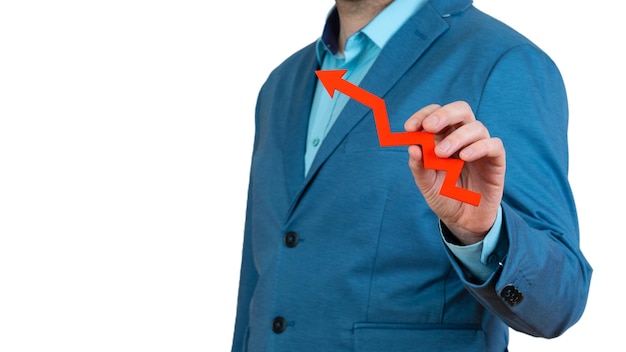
x: 350, y: 246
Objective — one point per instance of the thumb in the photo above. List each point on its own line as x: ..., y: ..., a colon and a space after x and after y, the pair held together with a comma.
x: 426, y: 179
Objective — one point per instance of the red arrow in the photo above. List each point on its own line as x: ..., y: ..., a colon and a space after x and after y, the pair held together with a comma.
x: 333, y: 80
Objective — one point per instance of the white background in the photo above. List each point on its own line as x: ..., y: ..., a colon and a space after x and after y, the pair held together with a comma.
x: 125, y: 139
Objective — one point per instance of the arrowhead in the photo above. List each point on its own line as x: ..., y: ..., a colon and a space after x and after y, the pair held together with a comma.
x: 331, y: 79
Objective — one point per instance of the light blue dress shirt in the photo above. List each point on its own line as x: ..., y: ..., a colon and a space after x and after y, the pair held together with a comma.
x: 361, y: 50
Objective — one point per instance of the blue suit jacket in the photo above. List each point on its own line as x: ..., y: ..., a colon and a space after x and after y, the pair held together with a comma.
x: 349, y: 258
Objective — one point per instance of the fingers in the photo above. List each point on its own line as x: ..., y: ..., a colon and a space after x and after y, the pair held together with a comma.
x: 464, y: 136
x: 415, y: 154
x: 414, y: 123
x: 435, y: 118
x: 456, y: 128
x: 425, y: 179
x: 454, y: 114
x: 492, y: 148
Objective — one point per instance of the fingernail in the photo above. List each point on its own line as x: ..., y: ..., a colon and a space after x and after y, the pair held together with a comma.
x: 412, y: 125
x: 467, y: 152
x: 432, y: 121
x: 443, y: 146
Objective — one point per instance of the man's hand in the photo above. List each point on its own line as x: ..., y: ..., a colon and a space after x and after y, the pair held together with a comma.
x: 459, y: 135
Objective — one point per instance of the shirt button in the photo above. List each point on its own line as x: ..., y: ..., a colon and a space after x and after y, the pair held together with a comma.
x: 315, y: 142
x: 279, y: 325
x: 291, y: 239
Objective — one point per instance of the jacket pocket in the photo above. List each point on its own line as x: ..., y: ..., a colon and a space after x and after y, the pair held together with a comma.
x: 389, y: 337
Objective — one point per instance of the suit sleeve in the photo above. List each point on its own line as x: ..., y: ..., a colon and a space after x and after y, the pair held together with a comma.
x: 541, y: 282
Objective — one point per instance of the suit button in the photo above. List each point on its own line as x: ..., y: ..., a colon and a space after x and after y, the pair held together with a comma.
x: 511, y: 295
x: 291, y: 239
x: 279, y: 325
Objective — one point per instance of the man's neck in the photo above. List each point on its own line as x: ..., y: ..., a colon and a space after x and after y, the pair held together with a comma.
x: 355, y: 14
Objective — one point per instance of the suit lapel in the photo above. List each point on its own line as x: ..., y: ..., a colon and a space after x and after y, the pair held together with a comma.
x: 297, y: 114
x: 395, y: 59
x: 399, y: 54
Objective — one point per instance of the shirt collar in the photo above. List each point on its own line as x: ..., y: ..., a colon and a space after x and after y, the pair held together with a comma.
x: 379, y: 30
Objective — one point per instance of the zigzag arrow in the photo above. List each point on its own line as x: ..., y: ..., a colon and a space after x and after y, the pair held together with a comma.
x: 333, y: 80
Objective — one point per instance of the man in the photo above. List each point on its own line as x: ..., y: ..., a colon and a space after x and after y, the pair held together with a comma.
x: 342, y: 252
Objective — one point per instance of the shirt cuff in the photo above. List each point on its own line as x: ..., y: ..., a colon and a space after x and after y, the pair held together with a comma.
x: 475, y: 256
